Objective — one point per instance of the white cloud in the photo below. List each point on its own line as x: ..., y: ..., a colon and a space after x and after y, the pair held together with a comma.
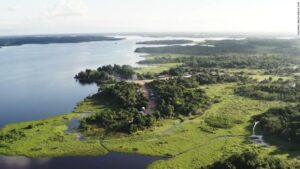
x: 14, y: 8
x: 47, y: 16
x: 65, y: 8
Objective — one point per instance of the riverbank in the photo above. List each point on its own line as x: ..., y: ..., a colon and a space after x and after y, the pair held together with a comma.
x: 132, y: 161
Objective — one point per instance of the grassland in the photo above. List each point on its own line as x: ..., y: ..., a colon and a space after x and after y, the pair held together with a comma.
x: 47, y: 138
x: 158, y: 68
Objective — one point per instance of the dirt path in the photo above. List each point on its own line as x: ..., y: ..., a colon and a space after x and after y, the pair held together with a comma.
x: 210, y: 141
x: 102, y: 140
x: 151, y: 104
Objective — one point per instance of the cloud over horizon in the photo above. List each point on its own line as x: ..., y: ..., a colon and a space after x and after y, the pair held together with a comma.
x: 92, y: 16
x: 64, y: 8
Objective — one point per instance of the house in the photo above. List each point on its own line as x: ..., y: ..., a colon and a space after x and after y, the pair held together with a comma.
x: 187, y: 75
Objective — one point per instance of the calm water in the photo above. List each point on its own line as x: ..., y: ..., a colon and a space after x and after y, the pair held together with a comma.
x: 109, y: 161
x: 36, y: 81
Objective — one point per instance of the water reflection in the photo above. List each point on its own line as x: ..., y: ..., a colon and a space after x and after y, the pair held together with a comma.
x: 126, y: 161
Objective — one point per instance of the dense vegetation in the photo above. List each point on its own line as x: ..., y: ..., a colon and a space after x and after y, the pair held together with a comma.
x: 282, y: 122
x: 166, y: 42
x: 21, y: 40
x: 207, y: 76
x: 269, y: 62
x: 278, y: 90
x: 195, y: 50
x: 249, y: 160
x: 162, y: 60
x: 105, y: 74
x: 128, y: 102
x: 240, y: 61
x: 11, y: 137
x: 257, y: 42
x: 125, y: 95
x: 213, y: 76
x: 230, y: 46
x: 179, y: 96
x: 127, y: 121
x: 282, y: 71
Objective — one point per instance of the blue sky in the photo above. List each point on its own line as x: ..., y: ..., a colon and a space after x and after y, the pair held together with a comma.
x: 96, y: 16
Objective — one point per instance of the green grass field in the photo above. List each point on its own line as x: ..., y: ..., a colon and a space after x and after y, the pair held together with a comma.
x: 47, y: 138
x: 156, y: 68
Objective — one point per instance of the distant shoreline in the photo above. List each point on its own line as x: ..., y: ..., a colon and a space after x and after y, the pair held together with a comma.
x: 50, y: 39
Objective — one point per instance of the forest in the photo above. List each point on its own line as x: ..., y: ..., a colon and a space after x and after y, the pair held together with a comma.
x: 196, y: 50
x: 179, y: 97
x: 221, y: 47
x: 165, y: 42
x: 279, y: 90
x: 250, y: 160
x: 106, y: 73
x: 127, y: 101
x: 241, y: 61
x: 283, y: 123
x: 269, y: 62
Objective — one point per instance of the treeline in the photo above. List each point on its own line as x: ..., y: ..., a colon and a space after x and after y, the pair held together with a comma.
x: 105, y: 74
x: 250, y: 160
x: 21, y: 40
x: 162, y: 60
x: 196, y: 50
x: 257, y: 42
x: 285, y: 91
x: 165, y: 42
x: 215, y: 76
x: 281, y: 46
x: 127, y: 101
x: 240, y: 61
x: 283, y: 71
x: 269, y: 62
x: 179, y: 96
x: 281, y: 122
x: 208, y: 76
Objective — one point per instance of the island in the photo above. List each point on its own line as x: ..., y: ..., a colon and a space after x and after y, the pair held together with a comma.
x: 48, y: 39
x: 165, y: 42
x: 210, y: 47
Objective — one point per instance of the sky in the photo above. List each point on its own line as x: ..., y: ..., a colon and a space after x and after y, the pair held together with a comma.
x: 19, y: 17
